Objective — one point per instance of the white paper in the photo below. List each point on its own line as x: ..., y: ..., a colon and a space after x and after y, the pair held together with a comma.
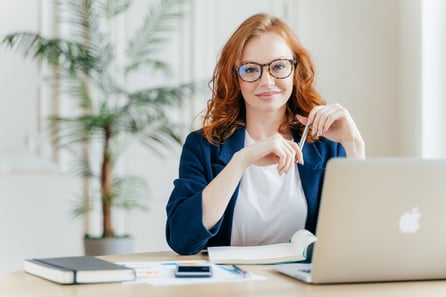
x: 161, y: 273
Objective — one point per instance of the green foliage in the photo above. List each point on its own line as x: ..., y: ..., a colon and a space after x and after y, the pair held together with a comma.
x: 106, y: 112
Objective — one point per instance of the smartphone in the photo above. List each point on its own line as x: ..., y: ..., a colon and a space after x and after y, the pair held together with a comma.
x: 193, y: 271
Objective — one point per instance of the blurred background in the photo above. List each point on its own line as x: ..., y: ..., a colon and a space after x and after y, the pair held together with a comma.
x: 382, y: 59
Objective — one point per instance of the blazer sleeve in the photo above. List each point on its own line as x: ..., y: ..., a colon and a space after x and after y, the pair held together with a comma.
x: 185, y: 232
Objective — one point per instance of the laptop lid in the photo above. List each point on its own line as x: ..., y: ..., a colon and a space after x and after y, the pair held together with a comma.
x: 381, y: 220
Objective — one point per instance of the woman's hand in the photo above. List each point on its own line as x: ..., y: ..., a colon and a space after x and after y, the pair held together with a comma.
x: 273, y: 150
x: 334, y: 122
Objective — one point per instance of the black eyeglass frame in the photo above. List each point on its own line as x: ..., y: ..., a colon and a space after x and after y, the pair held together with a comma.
x: 292, y: 61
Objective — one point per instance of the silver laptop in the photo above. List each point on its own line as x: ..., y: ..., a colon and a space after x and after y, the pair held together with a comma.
x: 379, y: 220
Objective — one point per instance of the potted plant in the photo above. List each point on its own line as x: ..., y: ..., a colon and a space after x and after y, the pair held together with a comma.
x: 107, y: 114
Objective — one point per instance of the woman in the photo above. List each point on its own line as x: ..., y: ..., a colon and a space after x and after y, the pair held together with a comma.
x: 243, y: 180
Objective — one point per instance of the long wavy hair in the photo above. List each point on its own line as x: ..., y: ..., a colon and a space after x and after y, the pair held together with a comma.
x: 226, y: 109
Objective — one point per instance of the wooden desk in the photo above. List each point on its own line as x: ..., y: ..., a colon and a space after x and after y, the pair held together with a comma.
x: 22, y: 284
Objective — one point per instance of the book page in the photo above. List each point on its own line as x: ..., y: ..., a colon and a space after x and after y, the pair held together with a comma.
x: 293, y: 251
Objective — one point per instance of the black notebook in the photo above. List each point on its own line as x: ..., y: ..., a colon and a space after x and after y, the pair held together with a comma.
x: 78, y: 270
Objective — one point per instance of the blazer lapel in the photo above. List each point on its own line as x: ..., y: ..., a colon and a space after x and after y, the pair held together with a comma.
x: 232, y: 145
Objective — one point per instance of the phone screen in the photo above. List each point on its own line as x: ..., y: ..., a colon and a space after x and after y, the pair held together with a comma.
x: 193, y: 271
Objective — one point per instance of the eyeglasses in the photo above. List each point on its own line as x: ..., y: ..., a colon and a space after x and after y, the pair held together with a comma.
x: 251, y: 72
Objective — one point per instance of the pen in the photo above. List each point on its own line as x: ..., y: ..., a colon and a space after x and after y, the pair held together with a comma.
x: 304, y: 136
x: 237, y: 269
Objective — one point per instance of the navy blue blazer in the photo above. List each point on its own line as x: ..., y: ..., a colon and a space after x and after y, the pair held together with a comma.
x: 200, y: 163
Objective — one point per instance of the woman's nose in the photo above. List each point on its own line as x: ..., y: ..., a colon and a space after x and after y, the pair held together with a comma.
x: 266, y: 77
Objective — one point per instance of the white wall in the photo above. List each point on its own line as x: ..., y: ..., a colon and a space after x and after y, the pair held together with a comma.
x: 35, y: 219
x: 410, y: 99
x: 355, y: 46
x: 19, y: 80
x: 367, y: 55
x: 433, y: 78
x: 35, y: 196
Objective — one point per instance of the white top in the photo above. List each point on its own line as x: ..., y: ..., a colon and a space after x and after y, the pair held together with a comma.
x: 270, y: 207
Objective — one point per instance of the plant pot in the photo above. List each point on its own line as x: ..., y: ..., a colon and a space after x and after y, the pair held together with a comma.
x: 108, y: 246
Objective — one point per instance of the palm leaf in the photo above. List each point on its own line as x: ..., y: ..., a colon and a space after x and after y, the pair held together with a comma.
x: 165, y: 96
x: 81, y: 166
x: 84, y: 19
x: 70, y: 55
x: 70, y: 131
x: 81, y: 206
x: 129, y: 191
x: 112, y: 8
x: 160, y: 136
x: 78, y: 88
x: 151, y: 37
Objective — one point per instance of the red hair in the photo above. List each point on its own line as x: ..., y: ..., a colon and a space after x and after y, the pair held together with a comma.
x: 226, y: 109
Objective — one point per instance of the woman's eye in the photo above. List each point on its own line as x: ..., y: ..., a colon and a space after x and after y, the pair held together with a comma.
x: 251, y: 69
x: 278, y: 67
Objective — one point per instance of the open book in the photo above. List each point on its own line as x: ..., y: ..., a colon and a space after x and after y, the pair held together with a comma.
x: 293, y: 251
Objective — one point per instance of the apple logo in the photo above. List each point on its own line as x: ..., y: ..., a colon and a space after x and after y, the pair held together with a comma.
x: 409, y: 221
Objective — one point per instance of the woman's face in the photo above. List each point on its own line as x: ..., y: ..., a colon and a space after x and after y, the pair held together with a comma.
x: 267, y: 94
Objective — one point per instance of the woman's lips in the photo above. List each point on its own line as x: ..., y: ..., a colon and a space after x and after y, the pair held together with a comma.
x: 268, y: 94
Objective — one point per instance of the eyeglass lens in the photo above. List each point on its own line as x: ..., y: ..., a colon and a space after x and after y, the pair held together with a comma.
x: 279, y: 69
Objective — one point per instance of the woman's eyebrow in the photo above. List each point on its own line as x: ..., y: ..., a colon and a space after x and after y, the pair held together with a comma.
x: 278, y: 58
